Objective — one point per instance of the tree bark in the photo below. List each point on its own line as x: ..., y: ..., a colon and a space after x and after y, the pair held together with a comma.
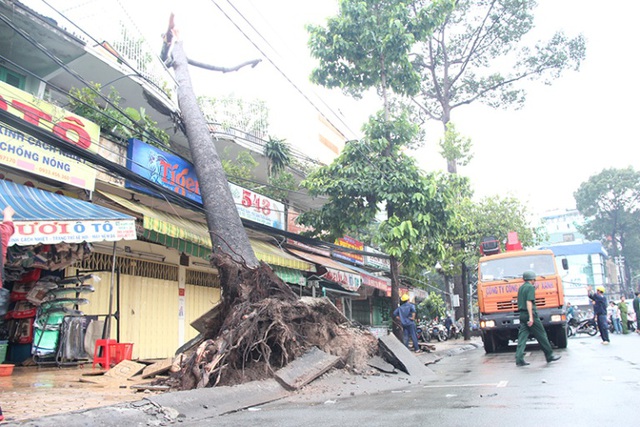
x: 228, y: 236
x: 397, y: 327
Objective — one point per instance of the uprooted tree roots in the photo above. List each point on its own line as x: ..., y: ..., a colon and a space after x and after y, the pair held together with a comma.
x: 265, y: 327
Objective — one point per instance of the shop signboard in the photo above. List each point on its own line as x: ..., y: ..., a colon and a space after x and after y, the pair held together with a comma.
x: 294, y: 227
x: 56, y: 231
x: 26, y: 153
x: 381, y: 283
x: 348, y: 281
x: 64, y: 124
x: 178, y: 175
x: 401, y: 291
x: 375, y: 262
x: 350, y: 242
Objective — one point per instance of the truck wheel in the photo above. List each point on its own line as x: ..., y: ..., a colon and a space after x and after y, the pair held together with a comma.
x: 561, y: 337
x: 489, y: 343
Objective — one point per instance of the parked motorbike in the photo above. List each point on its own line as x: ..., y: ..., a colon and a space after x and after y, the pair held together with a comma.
x: 434, y: 331
x: 584, y: 326
x: 455, y: 332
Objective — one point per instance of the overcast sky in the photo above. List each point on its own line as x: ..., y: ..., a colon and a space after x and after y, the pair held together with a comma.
x: 567, y: 132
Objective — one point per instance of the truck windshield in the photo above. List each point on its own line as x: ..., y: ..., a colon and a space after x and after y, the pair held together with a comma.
x: 512, y: 268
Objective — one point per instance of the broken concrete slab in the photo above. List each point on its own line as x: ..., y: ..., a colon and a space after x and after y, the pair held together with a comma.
x: 380, y: 364
x: 203, y: 403
x: 119, y: 373
x: 305, y: 369
x: 157, y: 368
x: 210, y: 321
x: 395, y: 352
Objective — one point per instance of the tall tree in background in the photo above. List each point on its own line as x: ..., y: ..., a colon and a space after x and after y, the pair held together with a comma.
x: 361, y: 183
x: 610, y: 203
x: 478, y: 55
x: 458, y: 63
x: 367, y: 46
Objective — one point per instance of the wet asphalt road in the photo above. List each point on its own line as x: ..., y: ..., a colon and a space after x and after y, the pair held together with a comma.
x: 592, y: 385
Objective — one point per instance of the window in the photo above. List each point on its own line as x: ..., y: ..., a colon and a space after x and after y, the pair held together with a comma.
x: 12, y: 78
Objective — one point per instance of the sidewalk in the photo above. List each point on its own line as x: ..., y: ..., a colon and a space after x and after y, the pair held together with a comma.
x: 54, y: 405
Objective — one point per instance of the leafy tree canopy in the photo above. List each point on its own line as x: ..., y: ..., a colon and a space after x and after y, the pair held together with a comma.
x: 361, y: 184
x: 367, y: 44
x: 432, y: 307
x: 458, y: 62
x: 610, y: 203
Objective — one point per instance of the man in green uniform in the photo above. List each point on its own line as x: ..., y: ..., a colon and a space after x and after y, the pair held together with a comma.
x: 624, y: 314
x: 530, y: 322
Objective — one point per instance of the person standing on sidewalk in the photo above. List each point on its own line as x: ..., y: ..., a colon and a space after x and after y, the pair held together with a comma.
x: 600, y: 311
x: 636, y: 309
x: 406, y: 313
x: 624, y: 311
x: 6, y: 231
x: 530, y: 323
x: 613, y: 316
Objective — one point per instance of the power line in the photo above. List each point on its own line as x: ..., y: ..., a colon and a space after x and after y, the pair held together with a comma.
x: 276, y: 66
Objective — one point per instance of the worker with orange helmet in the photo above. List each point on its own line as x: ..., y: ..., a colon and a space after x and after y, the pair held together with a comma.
x: 600, y: 311
x: 406, y: 313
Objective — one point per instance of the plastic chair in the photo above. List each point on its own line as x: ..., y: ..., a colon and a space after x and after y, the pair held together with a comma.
x: 102, y: 353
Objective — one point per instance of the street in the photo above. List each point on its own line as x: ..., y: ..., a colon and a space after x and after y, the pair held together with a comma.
x: 591, y: 385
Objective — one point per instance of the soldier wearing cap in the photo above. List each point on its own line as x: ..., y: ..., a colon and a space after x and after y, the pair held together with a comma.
x: 530, y: 323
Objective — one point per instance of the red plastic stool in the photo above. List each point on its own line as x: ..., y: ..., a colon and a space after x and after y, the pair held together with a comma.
x: 102, y: 353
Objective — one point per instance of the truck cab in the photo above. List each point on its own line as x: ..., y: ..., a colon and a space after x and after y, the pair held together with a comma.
x: 499, y: 278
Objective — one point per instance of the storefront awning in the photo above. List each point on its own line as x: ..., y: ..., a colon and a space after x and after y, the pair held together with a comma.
x: 289, y: 275
x: 337, y: 272
x: 373, y: 281
x: 276, y: 256
x: 193, y: 237
x: 49, y: 218
x: 184, y: 235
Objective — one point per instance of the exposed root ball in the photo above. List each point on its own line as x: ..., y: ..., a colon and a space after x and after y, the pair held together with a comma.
x: 260, y: 335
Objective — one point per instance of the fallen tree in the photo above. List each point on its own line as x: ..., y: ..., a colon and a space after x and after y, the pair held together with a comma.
x: 266, y: 327
x: 261, y: 324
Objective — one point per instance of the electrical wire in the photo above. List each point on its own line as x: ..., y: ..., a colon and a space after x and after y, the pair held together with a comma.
x: 276, y: 66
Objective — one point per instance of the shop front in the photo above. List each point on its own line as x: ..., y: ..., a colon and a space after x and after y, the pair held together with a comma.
x: 52, y: 232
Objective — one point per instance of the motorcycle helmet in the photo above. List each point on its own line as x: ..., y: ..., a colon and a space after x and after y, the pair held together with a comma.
x: 404, y: 298
x: 529, y: 275
x: 600, y: 289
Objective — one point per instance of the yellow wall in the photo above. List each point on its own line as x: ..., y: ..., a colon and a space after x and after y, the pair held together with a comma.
x: 149, y: 311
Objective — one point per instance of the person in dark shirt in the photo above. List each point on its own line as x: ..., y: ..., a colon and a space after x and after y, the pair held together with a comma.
x: 600, y: 311
x: 406, y: 313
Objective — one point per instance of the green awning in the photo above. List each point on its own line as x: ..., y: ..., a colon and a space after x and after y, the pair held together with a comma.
x: 289, y: 275
x: 193, y: 238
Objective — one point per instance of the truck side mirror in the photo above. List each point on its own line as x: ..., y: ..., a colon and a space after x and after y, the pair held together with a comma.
x: 565, y: 264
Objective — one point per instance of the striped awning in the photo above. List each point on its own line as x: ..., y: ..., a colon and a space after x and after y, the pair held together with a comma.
x: 193, y: 237
x: 276, y: 256
x: 49, y: 218
x: 336, y: 272
x: 289, y: 275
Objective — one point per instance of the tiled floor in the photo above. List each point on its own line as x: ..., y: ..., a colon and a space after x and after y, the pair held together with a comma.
x: 32, y: 392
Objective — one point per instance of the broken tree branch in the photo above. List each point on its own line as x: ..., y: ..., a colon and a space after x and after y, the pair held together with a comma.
x: 253, y: 63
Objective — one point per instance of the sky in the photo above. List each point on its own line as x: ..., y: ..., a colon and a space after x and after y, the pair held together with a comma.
x: 567, y: 132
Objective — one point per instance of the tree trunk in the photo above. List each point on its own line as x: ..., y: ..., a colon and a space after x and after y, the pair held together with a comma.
x: 228, y: 236
x: 465, y: 301
x: 397, y: 327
